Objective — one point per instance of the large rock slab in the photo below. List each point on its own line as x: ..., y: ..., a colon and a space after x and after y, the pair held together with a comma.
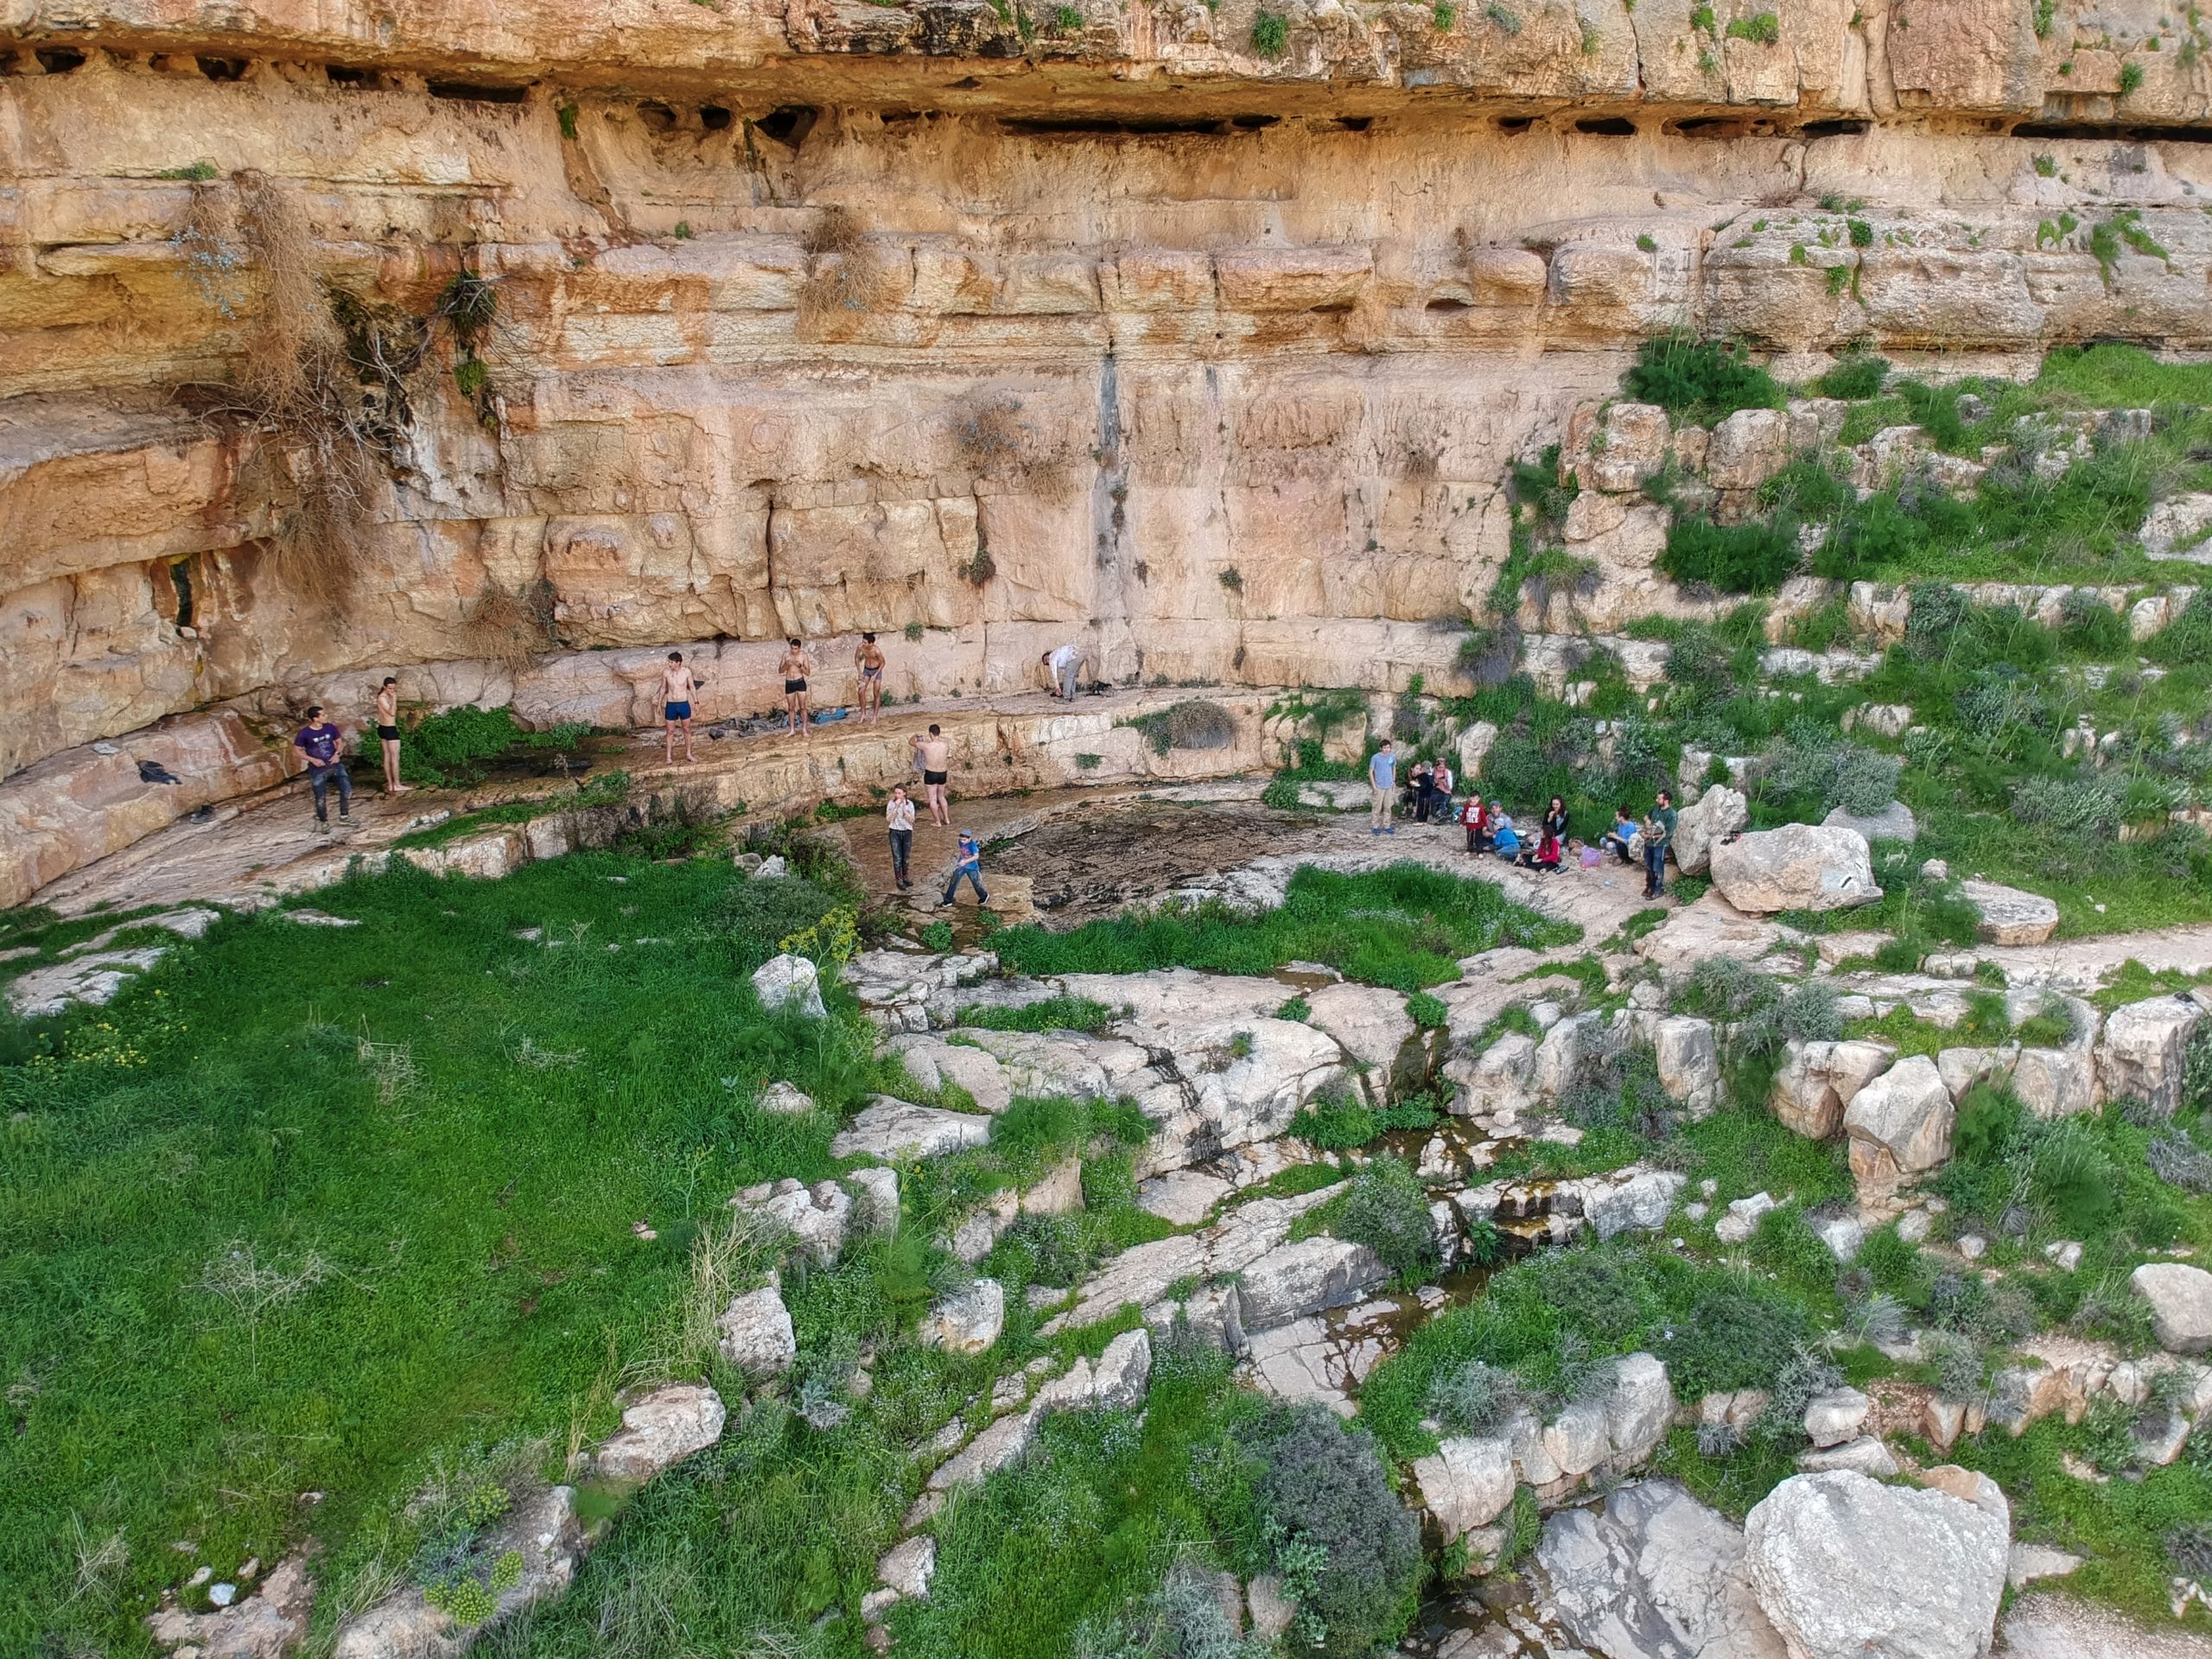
x: 1688, y: 1061
x: 1846, y: 1567
x: 2010, y: 916
x: 1652, y: 1573
x: 1372, y: 1026
x: 1818, y: 1081
x: 2181, y: 1304
x: 1797, y: 866
x: 1466, y: 1484
x: 2144, y: 1051
x: 1900, y: 1125
x: 891, y: 1130
x: 1308, y: 1276
x: 932, y: 1062
x: 1893, y: 823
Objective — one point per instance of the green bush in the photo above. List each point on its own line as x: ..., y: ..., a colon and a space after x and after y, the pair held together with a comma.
x: 1756, y: 557
x: 1270, y: 33
x: 1385, y: 1207
x: 1348, y: 1551
x: 1855, y: 376
x: 1335, y: 1123
x: 1475, y: 1398
x: 1428, y: 1012
x: 1701, y: 380
x: 1732, y: 1338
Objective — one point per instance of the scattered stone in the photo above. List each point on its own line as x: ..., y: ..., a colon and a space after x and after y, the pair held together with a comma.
x: 1743, y: 1218
x: 93, y: 980
x: 2064, y: 1254
x: 1640, y: 1409
x: 968, y: 1321
x: 222, y: 1595
x: 934, y: 1063
x: 1688, y: 1061
x: 2010, y: 916
x: 756, y: 1332
x: 1973, y: 1246
x: 1847, y: 1567
x: 814, y: 1218
x: 1934, y: 869
x: 1797, y: 866
x: 1833, y: 1418
x: 785, y: 1100
x: 875, y: 1204
x: 789, y: 982
x: 2181, y: 1304
x: 769, y: 869
x: 907, y: 1566
x: 268, y: 1625
x: 2028, y: 1562
x: 1864, y: 1456
x: 662, y: 1429
x: 1843, y: 1235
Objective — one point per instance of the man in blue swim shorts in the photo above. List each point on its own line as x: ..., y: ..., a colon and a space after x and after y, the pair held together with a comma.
x: 676, y: 687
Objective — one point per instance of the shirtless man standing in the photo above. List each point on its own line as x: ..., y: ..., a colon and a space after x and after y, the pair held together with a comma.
x: 867, y: 656
x: 676, y: 687
x: 388, y: 734
x: 934, y: 755
x: 795, y: 668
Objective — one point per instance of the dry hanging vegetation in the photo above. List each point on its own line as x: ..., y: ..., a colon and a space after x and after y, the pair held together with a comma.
x: 325, y: 375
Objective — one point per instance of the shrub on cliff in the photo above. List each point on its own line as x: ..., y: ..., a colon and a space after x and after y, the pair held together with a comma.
x: 1753, y: 558
x: 1700, y: 380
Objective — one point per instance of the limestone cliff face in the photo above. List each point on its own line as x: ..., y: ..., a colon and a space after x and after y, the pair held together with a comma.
x: 820, y: 315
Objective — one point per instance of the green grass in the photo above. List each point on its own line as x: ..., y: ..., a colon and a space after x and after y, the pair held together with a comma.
x: 2118, y: 1525
x: 1404, y: 927
x: 1052, y: 1013
x: 438, y: 1228
x: 1091, y: 1520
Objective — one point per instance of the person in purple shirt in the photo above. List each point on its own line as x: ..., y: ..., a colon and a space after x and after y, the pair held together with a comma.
x: 324, y: 747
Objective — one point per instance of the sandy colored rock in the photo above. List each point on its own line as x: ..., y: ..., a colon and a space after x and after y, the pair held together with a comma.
x: 1899, y: 1125
x: 2010, y: 916
x: 1797, y: 866
x: 2181, y: 1304
x: 661, y: 1430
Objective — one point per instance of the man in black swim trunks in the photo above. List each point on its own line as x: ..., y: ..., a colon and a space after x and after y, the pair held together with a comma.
x: 388, y: 734
x: 795, y: 668
x: 934, y: 755
x: 676, y: 687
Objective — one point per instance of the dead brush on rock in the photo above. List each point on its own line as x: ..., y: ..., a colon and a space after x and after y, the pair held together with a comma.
x: 514, y: 626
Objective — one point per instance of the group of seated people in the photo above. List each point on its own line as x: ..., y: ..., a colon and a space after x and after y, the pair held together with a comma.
x: 1425, y: 797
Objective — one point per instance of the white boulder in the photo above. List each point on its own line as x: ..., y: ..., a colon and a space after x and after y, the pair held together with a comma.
x: 2145, y: 1049
x: 1308, y: 1276
x: 1797, y: 866
x: 1466, y: 1484
x: 2181, y: 1304
x: 1698, y: 827
x: 969, y: 1320
x: 1846, y: 1567
x: 665, y: 1427
x: 789, y: 982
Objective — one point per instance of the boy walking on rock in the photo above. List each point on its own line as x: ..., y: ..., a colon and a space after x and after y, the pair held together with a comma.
x: 968, y: 863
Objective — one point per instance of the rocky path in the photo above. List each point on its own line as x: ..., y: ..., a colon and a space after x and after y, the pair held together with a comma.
x: 2081, y: 965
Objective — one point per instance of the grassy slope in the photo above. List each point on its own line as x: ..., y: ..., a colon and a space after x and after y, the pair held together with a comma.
x: 478, y: 1273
